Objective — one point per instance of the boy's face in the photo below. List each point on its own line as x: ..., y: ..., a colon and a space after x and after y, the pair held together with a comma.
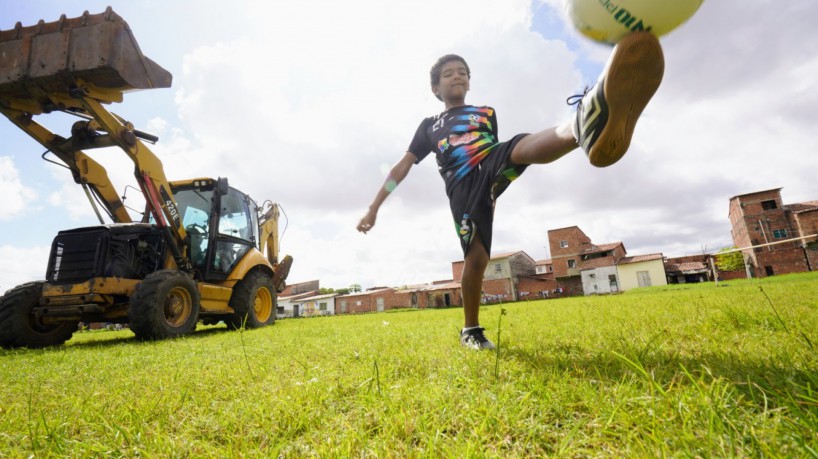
x: 454, y: 82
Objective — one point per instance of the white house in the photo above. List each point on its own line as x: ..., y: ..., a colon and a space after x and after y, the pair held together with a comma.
x: 600, y: 280
x: 317, y: 305
x: 641, y: 271
x: 288, y: 306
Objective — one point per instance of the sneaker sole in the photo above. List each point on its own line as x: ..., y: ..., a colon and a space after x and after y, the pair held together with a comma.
x: 632, y: 76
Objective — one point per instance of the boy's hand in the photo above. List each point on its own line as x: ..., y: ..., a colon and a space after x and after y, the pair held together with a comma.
x: 367, y: 222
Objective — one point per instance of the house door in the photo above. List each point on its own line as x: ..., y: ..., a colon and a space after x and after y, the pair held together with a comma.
x: 380, y: 304
x: 295, y: 310
x: 612, y: 283
x: 343, y: 306
x: 643, y: 277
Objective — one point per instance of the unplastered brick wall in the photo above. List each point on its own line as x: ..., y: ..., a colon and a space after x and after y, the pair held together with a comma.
x: 355, y: 303
x: 393, y: 298
x: 498, y: 290
x: 565, y: 244
x: 781, y: 261
x: 457, y: 271
x: 531, y: 287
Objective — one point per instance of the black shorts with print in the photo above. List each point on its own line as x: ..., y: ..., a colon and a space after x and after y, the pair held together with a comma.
x: 472, y: 199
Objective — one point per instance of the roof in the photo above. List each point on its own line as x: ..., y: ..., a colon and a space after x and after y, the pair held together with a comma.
x: 297, y: 296
x: 432, y: 287
x: 318, y: 297
x: 754, y: 192
x: 566, y: 227
x: 508, y: 255
x: 690, y: 267
x: 547, y: 261
x: 640, y: 258
x: 367, y: 292
x: 802, y: 207
x: 602, y: 247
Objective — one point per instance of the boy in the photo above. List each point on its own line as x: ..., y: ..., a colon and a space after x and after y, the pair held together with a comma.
x: 477, y: 168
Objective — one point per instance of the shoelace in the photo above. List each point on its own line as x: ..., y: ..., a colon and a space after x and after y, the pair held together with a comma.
x: 577, y: 98
x: 479, y: 336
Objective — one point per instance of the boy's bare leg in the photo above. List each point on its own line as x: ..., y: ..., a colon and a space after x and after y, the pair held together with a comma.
x: 474, y: 265
x: 607, y: 114
x: 544, y: 146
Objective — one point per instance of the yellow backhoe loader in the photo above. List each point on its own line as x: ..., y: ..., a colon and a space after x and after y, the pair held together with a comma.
x: 203, y: 250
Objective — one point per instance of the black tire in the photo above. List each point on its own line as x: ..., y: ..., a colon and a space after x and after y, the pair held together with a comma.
x: 254, y: 300
x: 164, y: 305
x: 19, y: 327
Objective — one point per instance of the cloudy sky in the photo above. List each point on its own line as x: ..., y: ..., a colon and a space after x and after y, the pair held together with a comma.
x: 308, y: 103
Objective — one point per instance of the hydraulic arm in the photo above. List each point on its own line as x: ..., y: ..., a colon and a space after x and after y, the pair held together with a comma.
x: 76, y: 66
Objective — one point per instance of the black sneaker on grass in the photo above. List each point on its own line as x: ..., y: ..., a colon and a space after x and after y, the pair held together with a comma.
x: 476, y: 339
x: 607, y: 114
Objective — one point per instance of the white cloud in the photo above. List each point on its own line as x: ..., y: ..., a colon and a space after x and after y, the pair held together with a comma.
x: 308, y: 103
x: 16, y: 195
x: 21, y: 265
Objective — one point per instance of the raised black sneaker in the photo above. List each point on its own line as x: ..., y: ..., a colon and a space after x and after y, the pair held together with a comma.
x: 607, y: 113
x: 475, y: 339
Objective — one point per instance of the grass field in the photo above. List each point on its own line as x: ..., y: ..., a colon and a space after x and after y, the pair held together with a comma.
x: 678, y: 371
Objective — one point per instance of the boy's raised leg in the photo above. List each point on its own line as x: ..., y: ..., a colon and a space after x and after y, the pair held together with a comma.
x: 607, y: 114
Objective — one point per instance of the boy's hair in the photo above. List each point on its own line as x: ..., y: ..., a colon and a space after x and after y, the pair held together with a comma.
x: 434, y: 74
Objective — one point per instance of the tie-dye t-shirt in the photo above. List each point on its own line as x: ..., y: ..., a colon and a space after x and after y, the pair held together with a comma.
x: 460, y: 137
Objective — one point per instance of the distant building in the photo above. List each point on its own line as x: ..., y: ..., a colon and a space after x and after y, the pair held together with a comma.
x: 290, y: 305
x: 641, y: 271
x: 501, y: 280
x: 315, y: 305
x: 773, y: 233
x: 689, y: 269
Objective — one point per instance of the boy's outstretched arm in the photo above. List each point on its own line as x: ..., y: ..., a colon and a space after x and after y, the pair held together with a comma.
x: 396, y: 175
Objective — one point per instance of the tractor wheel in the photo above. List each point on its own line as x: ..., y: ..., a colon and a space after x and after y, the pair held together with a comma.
x: 20, y: 328
x: 254, y: 300
x: 164, y: 305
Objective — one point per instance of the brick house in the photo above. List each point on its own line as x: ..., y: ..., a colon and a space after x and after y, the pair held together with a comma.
x: 439, y: 294
x: 541, y: 284
x: 376, y: 299
x: 544, y: 267
x: 502, y: 276
x: 688, y: 269
x: 696, y: 268
x: 582, y: 267
x: 771, y: 233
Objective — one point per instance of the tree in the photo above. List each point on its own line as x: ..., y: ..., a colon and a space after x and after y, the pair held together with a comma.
x: 340, y: 291
x: 355, y: 288
x: 731, y: 261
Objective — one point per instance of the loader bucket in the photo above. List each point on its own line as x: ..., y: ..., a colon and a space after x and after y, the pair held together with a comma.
x: 98, y: 49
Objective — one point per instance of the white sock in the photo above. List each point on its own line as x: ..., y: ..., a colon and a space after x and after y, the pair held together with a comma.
x: 465, y: 329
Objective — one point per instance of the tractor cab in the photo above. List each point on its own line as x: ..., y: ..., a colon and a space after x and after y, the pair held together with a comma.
x: 221, y: 223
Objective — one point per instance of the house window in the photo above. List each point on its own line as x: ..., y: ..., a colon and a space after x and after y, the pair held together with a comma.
x: 780, y: 234
x: 769, y: 270
x: 322, y: 306
x: 572, y: 264
x: 769, y: 205
x: 550, y: 269
x: 592, y: 276
x: 498, y: 268
x: 563, y: 244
